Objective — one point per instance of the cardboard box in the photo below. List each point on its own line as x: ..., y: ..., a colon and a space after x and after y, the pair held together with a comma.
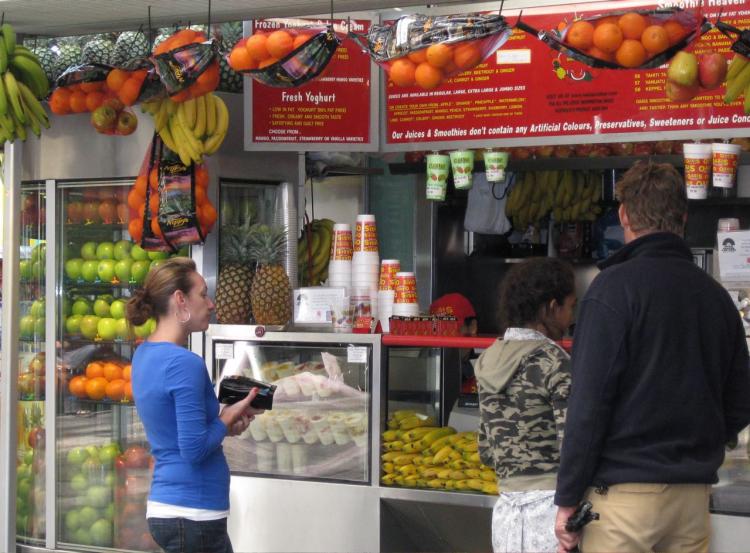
x: 313, y: 305
x: 734, y: 255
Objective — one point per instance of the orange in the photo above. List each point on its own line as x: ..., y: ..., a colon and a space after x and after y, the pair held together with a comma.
x: 439, y: 55
x: 77, y: 386
x: 419, y: 56
x: 201, y: 177
x: 140, y: 185
x: 675, y: 31
x: 631, y: 53
x: 256, y: 47
x: 94, y: 100
x: 428, y: 76
x: 594, y: 52
x: 112, y: 371
x: 155, y: 228
x: 181, y: 96
x: 266, y: 62
x: 655, y: 39
x: 139, y: 75
x: 153, y: 179
x: 200, y: 196
x: 115, y: 389
x: 632, y: 25
x: 92, y: 86
x: 240, y: 60
x: 279, y: 44
x: 122, y: 212
x: 300, y: 39
x: 401, y: 72
x: 78, y: 102
x: 609, y: 19
x: 127, y: 391
x: 107, y: 211
x: 59, y: 102
x: 94, y: 369
x: 467, y: 56
x: 142, y: 211
x: 116, y: 78
x: 128, y: 93
x: 207, y: 214
x: 126, y: 369
x: 153, y: 204
x: 209, y: 79
x: 607, y: 37
x: 580, y: 35
x: 135, y: 199
x: 135, y: 229
x: 96, y: 388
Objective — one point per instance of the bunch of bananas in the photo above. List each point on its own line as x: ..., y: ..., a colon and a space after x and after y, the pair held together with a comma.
x: 570, y: 196
x: 22, y: 84
x: 193, y: 128
x: 738, y: 81
x: 419, y: 454
x: 314, y: 252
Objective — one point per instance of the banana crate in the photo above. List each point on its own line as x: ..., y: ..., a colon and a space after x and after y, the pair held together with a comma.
x: 419, y: 454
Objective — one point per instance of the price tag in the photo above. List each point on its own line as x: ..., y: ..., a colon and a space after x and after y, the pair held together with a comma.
x: 356, y: 354
x: 224, y: 351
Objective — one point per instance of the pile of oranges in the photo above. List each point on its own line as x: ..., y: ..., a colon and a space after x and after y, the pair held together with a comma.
x: 431, y: 66
x: 205, y: 210
x: 206, y: 81
x: 260, y: 49
x: 629, y: 40
x: 106, y: 205
x: 105, y: 379
x: 120, y: 87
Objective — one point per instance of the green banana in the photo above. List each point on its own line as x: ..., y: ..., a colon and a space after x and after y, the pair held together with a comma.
x: 19, y: 126
x: 33, y: 105
x: 737, y: 85
x: 31, y: 73
x: 11, y: 88
x: 9, y: 37
x: 3, y: 57
x: 735, y: 66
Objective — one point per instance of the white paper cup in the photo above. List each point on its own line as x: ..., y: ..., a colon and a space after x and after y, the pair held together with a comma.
x: 342, y: 244
x: 283, y: 457
x: 273, y: 430
x: 724, y: 163
x: 257, y: 428
x: 289, y: 427
x: 697, y: 169
x: 264, y: 455
x: 338, y: 428
x: 386, y: 297
x: 335, y: 266
x: 322, y: 428
x: 365, y: 258
x: 299, y: 459
x: 405, y: 309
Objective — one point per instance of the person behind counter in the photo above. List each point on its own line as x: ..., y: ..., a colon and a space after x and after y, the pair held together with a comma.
x: 661, y: 383
x: 524, y: 381
x: 188, y: 502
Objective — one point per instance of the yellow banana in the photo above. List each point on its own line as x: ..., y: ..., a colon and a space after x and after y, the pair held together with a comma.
x: 388, y: 468
x: 443, y: 456
x: 210, y: 113
x: 489, y: 488
x: 200, y: 117
x: 416, y: 421
x: 459, y: 464
x: 461, y: 485
x: 181, y: 143
x: 222, y: 124
x: 417, y: 433
x: 404, y: 459
x: 444, y: 474
x: 488, y: 475
x: 737, y: 85
x: 475, y: 484
x: 431, y: 437
x: 438, y: 444
x: 430, y: 472
x: 436, y: 483
x: 413, y: 447
x: 188, y: 112
x: 388, y: 479
x: 396, y: 445
x: 390, y: 435
x: 195, y: 144
x: 390, y: 456
x: 473, y: 473
x: 11, y: 89
x: 407, y: 470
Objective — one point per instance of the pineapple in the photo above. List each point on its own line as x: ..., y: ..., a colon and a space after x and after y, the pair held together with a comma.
x: 235, y: 275
x: 271, y: 293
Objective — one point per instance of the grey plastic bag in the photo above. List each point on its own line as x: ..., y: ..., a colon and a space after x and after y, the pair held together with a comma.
x: 485, y: 210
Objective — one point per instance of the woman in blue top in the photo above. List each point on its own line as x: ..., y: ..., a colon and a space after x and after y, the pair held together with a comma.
x: 189, y: 500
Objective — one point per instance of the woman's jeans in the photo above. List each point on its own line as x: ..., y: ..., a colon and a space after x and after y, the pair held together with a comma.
x: 180, y: 535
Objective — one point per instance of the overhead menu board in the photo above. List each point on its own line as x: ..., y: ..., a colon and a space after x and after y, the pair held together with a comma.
x: 335, y: 111
x: 528, y: 93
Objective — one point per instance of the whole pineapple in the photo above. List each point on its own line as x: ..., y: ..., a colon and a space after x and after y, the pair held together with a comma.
x: 271, y: 293
x: 236, y: 272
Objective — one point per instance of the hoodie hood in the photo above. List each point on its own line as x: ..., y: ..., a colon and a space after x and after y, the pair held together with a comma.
x: 500, y: 362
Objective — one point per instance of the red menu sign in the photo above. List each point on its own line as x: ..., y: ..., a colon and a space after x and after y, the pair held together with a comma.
x: 332, y: 111
x: 531, y: 93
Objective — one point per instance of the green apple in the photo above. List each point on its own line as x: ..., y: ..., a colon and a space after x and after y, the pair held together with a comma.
x: 107, y: 328
x: 105, y: 250
x: 82, y: 535
x: 24, y: 267
x: 122, y: 269
x: 79, y: 482
x: 86, y: 516
x: 23, y: 487
x: 101, y: 533
x: 72, y: 521
x: 122, y: 327
x: 88, y: 251
x: 138, y: 253
x: 81, y: 307
x: 117, y: 309
x: 108, y: 452
x: 88, y: 326
x: 152, y: 255
x: 73, y: 324
x: 37, y: 270
x: 77, y: 456
x: 73, y: 268
x: 101, y: 308
x: 89, y: 270
x: 66, y: 305
x: 23, y: 471
x: 37, y: 308
x: 106, y: 270
x: 98, y: 496
x: 139, y: 270
x: 39, y: 252
x: 155, y: 263
x: 28, y: 457
x: 184, y: 251
x: 39, y: 328
x: 122, y: 249
x: 26, y: 326
x: 22, y: 521
x: 142, y: 331
x: 93, y: 452
x: 109, y: 510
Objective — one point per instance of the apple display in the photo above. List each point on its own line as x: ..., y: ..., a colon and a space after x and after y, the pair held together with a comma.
x: 105, y: 270
x: 73, y: 268
x: 39, y: 328
x: 681, y: 93
x: 117, y: 309
x: 156, y: 255
x: 37, y: 270
x: 81, y: 307
x: 89, y: 326
x: 142, y: 331
x: 138, y: 253
x: 24, y: 267
x: 107, y: 328
x: 712, y: 70
x: 139, y: 270
x: 105, y: 250
x: 26, y: 326
x: 683, y: 69
x: 122, y: 327
x: 122, y: 249
x: 89, y: 270
x: 122, y: 269
x: 101, y: 308
x: 88, y: 251
x: 101, y: 531
x: 37, y: 308
x: 73, y: 324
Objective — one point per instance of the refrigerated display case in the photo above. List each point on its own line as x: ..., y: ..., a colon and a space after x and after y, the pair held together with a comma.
x: 317, y: 446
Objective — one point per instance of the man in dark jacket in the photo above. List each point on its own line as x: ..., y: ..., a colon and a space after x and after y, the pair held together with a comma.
x: 660, y: 383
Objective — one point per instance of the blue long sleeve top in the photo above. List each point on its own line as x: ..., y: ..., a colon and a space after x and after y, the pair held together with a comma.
x: 176, y: 402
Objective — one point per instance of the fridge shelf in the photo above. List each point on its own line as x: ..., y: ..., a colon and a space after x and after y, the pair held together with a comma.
x: 97, y: 287
x: 105, y: 401
x: 81, y: 341
x: 76, y: 228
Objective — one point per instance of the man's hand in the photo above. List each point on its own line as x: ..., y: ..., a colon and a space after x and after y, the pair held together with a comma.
x: 238, y: 417
x: 567, y: 540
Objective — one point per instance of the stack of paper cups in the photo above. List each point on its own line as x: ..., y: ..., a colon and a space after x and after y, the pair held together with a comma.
x: 387, y: 291
x: 405, y: 299
x: 340, y: 264
x: 365, y: 259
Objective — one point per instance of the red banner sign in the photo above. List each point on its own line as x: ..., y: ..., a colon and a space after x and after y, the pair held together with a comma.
x: 529, y: 92
x: 331, y: 111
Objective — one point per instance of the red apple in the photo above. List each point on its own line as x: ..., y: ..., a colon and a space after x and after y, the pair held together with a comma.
x: 544, y: 151
x: 414, y: 157
x: 583, y: 150
x: 681, y: 93
x: 521, y: 153
x: 622, y: 148
x: 712, y: 70
x: 136, y: 457
x: 643, y: 149
x: 600, y: 150
x: 126, y: 123
x: 563, y: 151
x: 115, y: 103
x: 104, y: 119
x: 663, y: 147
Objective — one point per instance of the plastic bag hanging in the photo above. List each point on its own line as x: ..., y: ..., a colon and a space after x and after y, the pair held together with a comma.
x: 187, y: 65
x: 426, y: 50
x: 285, y: 58
x: 625, y: 39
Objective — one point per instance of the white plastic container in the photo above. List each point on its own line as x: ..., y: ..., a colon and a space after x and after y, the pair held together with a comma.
x: 697, y: 159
